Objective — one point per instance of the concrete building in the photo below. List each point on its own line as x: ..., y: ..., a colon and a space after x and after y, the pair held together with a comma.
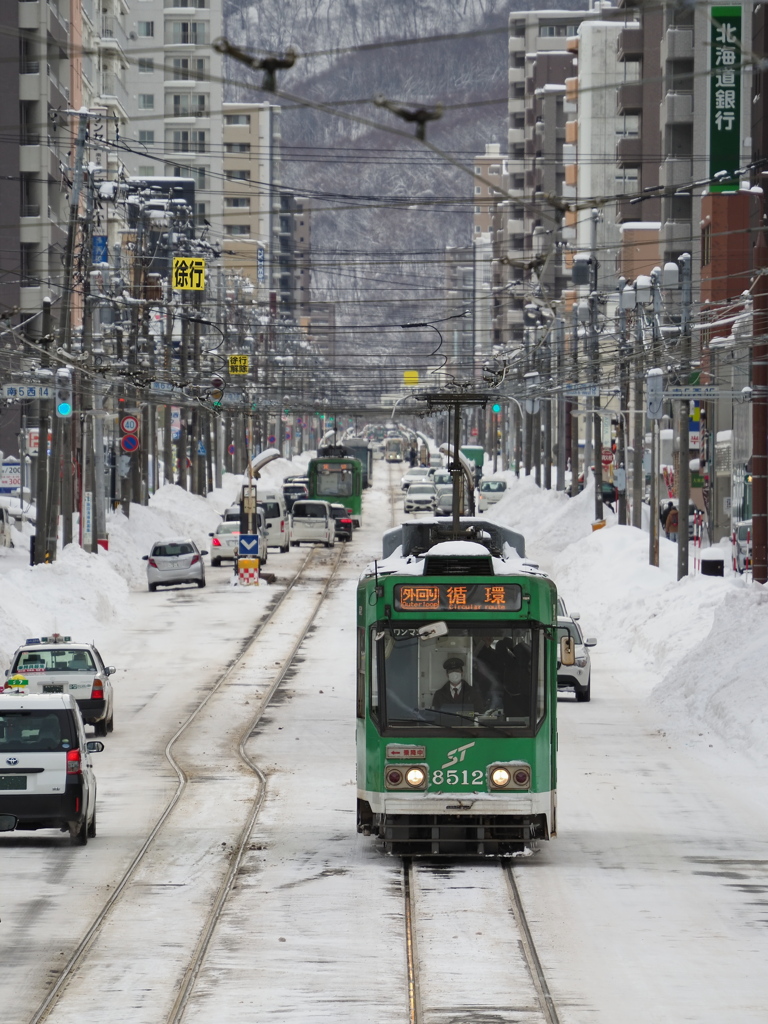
x: 175, y: 99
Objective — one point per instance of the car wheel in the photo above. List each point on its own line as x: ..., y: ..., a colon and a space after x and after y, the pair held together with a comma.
x: 285, y: 549
x: 201, y: 583
x: 215, y: 562
x: 152, y: 587
x: 111, y: 724
x: 583, y: 694
x: 92, y: 827
x: 295, y: 543
x: 100, y: 728
x: 78, y: 834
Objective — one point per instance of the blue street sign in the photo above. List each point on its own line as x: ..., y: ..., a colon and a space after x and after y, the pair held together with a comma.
x: 248, y: 545
x: 201, y: 448
x: 99, y: 249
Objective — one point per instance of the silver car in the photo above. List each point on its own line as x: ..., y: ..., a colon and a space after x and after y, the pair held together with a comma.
x: 576, y: 677
x: 175, y: 561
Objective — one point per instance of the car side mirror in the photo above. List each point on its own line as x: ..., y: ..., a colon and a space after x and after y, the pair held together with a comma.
x: 94, y: 746
x: 110, y: 670
x: 590, y: 641
x: 575, y: 615
x: 567, y: 653
x: 145, y: 558
x: 203, y: 552
x: 210, y: 534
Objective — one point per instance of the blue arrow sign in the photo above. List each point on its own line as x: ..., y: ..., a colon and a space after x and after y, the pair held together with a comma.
x: 248, y: 545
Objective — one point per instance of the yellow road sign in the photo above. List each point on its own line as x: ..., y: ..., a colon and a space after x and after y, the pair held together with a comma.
x: 239, y: 364
x: 188, y: 273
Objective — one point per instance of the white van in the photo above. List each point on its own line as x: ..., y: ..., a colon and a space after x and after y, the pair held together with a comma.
x: 276, y: 521
x: 46, y: 778
x: 312, y: 521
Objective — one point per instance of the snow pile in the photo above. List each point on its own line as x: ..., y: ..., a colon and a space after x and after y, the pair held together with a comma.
x: 703, y: 637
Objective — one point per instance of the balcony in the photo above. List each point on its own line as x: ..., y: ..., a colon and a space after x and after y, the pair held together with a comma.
x: 30, y: 210
x: 29, y: 14
x: 515, y: 76
x: 676, y: 171
x: 629, y: 45
x: 629, y: 150
x: 630, y: 97
x: 677, y: 44
x: 677, y: 108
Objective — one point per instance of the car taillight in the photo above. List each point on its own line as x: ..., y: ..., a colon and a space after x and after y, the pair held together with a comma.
x: 97, y: 693
x: 73, y: 762
x: 216, y: 542
x: 349, y: 511
x: 195, y: 558
x: 282, y: 526
x: 347, y: 522
x: 153, y: 563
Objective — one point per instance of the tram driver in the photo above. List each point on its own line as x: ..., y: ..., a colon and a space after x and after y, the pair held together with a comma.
x: 456, y: 695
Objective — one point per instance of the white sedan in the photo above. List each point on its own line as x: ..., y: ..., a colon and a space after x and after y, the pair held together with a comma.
x: 417, y: 475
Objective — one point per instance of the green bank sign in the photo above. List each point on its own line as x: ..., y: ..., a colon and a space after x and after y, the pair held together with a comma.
x: 725, y: 96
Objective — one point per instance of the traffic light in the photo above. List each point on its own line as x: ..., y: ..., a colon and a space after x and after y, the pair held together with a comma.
x: 217, y: 390
x: 63, y: 393
x: 496, y: 407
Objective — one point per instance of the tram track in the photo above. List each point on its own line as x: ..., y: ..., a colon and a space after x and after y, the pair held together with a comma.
x: 78, y: 962
x: 454, y: 912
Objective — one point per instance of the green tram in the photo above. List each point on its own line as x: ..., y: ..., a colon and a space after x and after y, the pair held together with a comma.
x: 336, y: 478
x: 457, y: 658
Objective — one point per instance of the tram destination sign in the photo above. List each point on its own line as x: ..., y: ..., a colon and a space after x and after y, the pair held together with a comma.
x: 458, y: 597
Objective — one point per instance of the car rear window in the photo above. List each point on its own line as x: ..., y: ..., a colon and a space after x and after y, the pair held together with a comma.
x: 307, y: 510
x: 41, y: 730
x: 233, y: 527
x: 172, y: 550
x: 59, y: 659
x: 271, y: 510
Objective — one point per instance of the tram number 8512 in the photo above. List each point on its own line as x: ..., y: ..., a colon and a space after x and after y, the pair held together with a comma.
x: 454, y: 778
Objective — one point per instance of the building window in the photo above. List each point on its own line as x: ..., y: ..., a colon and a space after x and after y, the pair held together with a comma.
x: 237, y: 229
x: 146, y: 65
x: 494, y: 169
x: 237, y: 119
x: 146, y: 101
x: 628, y: 126
x: 243, y: 202
x: 146, y: 171
x: 27, y: 277
x: 192, y: 33
x: 706, y: 245
x: 187, y: 69
x: 201, y: 213
x: 185, y: 171
x: 478, y: 189
x: 201, y: 4
x: 628, y: 179
x: 146, y: 136
x: 237, y: 175
x: 146, y: 29
x: 237, y: 147
x: 187, y: 105
x: 184, y: 141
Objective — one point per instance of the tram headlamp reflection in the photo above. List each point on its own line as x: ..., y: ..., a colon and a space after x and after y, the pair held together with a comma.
x: 416, y: 777
x: 500, y: 777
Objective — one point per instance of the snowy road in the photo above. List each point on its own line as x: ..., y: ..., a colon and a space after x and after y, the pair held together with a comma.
x: 650, y: 904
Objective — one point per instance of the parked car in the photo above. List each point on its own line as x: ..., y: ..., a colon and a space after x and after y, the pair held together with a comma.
x: 742, y: 544
x: 276, y: 521
x: 562, y: 611
x: 443, y: 481
x: 418, y: 474
x: 312, y: 522
x: 576, y: 677
x: 444, y: 504
x: 420, y: 498
x: 225, y: 540
x: 489, y: 492
x: 342, y: 521
x: 293, y: 492
x: 46, y: 779
x: 173, y: 561
x: 54, y: 664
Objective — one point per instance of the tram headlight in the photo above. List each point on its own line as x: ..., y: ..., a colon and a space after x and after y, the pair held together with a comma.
x: 416, y: 777
x: 406, y: 776
x: 514, y: 776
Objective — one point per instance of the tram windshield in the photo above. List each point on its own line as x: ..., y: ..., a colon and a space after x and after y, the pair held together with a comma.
x: 474, y: 677
x: 334, y: 480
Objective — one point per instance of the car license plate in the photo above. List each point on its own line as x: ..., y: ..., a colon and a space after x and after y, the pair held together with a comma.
x: 53, y: 688
x: 13, y: 781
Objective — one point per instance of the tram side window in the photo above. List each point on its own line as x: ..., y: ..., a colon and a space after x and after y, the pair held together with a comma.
x: 374, y: 663
x: 361, y: 658
x: 541, y: 679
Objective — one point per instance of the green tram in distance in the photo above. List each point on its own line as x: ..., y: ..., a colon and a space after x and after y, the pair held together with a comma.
x: 457, y: 657
x: 337, y: 478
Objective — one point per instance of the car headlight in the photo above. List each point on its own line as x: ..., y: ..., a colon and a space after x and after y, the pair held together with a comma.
x: 581, y: 661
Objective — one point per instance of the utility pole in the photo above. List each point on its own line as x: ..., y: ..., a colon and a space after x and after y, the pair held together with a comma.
x: 575, y: 406
x: 41, y: 518
x: 655, y: 409
x: 638, y: 421
x: 563, y: 406
x: 594, y: 355
x: 760, y: 412
x: 684, y: 445
x: 623, y: 403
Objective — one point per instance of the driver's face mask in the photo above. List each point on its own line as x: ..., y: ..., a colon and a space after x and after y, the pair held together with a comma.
x: 454, y: 677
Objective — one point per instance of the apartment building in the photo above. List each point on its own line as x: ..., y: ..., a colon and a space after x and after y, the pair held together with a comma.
x: 175, y: 99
